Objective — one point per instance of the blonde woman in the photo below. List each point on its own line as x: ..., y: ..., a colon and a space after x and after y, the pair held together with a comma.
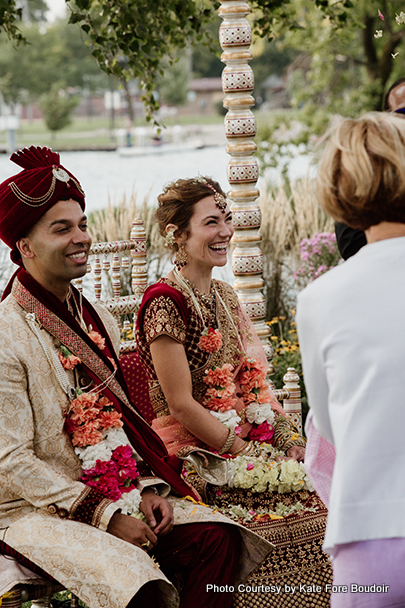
x: 351, y: 328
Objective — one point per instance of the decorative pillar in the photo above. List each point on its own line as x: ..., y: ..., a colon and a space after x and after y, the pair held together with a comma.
x: 235, y: 36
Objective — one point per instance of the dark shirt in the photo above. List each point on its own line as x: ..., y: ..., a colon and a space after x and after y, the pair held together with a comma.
x: 349, y: 240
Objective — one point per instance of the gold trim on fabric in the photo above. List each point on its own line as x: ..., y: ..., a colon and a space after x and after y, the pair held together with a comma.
x: 62, y: 332
x: 32, y: 201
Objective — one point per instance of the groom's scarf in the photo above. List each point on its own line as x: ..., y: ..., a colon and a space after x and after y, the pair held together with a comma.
x: 55, y: 317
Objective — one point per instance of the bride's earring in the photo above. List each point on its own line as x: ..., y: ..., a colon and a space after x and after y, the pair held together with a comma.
x: 181, y: 258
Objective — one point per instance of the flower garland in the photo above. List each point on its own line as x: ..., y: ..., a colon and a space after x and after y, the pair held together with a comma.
x: 110, y: 467
x: 107, y: 459
x: 69, y: 360
x: 268, y: 475
x: 267, y: 470
x: 221, y: 398
x: 210, y: 341
x: 257, y: 397
x: 244, y: 515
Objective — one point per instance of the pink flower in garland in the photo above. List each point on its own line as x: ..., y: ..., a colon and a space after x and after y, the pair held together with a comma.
x: 110, y: 420
x: 89, y: 415
x: 103, y: 401
x: 81, y: 415
x: 219, y: 376
x: 106, y: 483
x: 220, y: 405
x: 222, y: 392
x: 113, y: 477
x: 122, y: 455
x: 262, y: 432
x: 97, y: 339
x: 220, y: 396
x: 87, y: 435
x: 68, y: 360
x: 210, y: 341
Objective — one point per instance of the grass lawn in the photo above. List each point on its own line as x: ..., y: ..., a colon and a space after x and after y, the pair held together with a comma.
x: 96, y: 132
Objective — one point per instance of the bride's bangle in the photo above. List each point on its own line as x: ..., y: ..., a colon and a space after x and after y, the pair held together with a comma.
x: 228, y: 443
x: 247, y: 449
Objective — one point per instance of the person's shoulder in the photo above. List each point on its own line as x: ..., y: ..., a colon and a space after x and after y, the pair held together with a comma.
x: 224, y: 287
x: 166, y: 292
x: 103, y: 312
x: 324, y: 286
x: 11, y: 311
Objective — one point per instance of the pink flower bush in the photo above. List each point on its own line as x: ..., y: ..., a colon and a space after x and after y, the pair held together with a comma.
x: 318, y: 255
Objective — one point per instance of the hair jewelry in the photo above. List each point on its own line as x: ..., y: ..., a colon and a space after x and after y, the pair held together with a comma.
x: 220, y: 200
x: 169, y: 238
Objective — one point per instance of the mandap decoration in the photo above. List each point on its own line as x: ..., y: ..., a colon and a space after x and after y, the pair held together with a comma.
x: 235, y: 36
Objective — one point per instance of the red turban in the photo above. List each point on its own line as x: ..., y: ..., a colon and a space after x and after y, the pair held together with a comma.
x: 27, y: 196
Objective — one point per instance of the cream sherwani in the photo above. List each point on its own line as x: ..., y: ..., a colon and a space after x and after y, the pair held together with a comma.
x: 39, y: 468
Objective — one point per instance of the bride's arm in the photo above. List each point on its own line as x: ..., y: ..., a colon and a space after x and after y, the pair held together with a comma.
x: 173, y: 373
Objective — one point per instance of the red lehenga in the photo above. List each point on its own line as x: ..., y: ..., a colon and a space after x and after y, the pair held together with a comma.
x: 298, y: 561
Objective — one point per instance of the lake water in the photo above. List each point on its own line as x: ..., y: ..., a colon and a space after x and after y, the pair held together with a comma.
x: 106, y: 176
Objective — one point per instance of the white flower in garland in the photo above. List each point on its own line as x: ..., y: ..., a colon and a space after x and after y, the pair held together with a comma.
x: 230, y: 418
x: 263, y: 473
x: 259, y: 413
x: 90, y: 455
x: 112, y: 439
x: 129, y: 502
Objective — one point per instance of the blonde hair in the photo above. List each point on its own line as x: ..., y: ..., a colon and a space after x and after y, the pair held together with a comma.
x: 361, y: 175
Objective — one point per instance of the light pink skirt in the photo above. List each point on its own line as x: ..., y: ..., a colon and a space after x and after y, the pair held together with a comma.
x: 369, y: 574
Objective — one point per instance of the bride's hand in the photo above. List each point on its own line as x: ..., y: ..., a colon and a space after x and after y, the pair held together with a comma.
x: 297, y: 452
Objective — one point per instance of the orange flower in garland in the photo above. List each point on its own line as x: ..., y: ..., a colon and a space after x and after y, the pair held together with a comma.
x: 252, y: 379
x: 210, y: 341
x: 68, y: 359
x: 97, y: 338
x: 89, y: 415
x: 220, y: 395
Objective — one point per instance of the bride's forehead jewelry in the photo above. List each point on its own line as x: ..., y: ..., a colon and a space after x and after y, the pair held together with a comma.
x: 220, y: 200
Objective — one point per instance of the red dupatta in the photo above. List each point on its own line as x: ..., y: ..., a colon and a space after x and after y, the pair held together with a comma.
x: 55, y: 317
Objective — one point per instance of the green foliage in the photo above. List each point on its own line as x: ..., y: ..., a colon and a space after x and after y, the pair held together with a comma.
x: 57, y: 108
x: 10, y: 15
x: 349, y: 68
x: 173, y: 85
x: 287, y: 133
x: 57, y: 54
x: 141, y: 32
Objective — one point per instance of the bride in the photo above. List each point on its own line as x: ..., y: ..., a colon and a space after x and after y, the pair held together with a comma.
x: 206, y: 370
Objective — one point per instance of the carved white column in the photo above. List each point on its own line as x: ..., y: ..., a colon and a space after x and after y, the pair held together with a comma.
x: 240, y: 128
